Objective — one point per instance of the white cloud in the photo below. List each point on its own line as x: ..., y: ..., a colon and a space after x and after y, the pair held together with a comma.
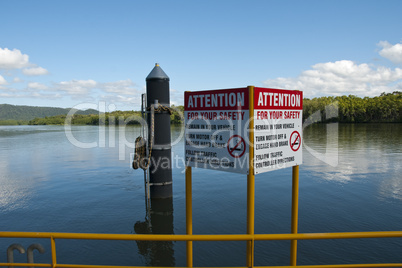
x: 122, y: 102
x: 6, y: 95
x: 391, y: 52
x: 2, y: 80
x: 35, y: 71
x: 29, y: 93
x: 341, y: 78
x: 13, y: 59
x: 126, y: 87
x: 17, y: 80
x: 40, y: 95
x: 36, y: 85
x: 124, y: 94
x: 76, y: 87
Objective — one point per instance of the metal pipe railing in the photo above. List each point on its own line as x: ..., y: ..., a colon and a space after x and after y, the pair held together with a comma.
x: 205, y: 237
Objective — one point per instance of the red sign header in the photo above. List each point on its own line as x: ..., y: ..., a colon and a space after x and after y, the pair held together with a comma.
x: 223, y: 99
x: 238, y: 99
x: 277, y: 99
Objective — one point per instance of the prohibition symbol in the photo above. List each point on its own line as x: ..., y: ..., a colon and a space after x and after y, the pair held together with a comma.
x: 236, y: 146
x: 295, y: 141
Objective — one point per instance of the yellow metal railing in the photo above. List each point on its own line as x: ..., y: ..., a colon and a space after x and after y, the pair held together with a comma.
x: 191, y: 238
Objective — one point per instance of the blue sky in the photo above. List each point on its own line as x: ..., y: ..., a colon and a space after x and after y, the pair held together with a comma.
x: 65, y: 53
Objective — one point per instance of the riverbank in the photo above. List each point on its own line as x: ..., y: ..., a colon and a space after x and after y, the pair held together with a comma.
x: 386, y: 108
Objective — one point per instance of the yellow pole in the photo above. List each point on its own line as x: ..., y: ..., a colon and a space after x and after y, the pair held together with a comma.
x: 53, y: 247
x: 295, y: 213
x: 189, y: 216
x: 251, y: 181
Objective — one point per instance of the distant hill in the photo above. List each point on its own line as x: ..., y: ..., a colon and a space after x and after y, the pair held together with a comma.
x: 22, y: 112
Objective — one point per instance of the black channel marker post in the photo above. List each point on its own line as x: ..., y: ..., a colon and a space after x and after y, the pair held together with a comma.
x: 160, y: 168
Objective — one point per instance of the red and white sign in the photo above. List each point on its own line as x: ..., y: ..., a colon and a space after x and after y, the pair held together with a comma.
x: 215, y: 132
x: 217, y: 135
x: 277, y: 129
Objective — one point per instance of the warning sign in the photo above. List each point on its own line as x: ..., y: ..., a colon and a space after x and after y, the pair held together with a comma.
x: 217, y: 129
x: 277, y: 129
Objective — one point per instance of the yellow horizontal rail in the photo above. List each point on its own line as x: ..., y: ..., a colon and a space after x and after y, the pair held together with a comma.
x: 205, y: 237
x: 301, y: 266
x: 345, y: 235
x: 337, y: 266
x: 368, y: 265
x: 17, y: 264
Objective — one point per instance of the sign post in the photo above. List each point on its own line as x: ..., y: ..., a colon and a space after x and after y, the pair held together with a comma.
x: 251, y: 184
x: 295, y: 214
x: 247, y: 130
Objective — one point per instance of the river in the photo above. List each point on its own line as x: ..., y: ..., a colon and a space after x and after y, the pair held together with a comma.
x: 80, y: 180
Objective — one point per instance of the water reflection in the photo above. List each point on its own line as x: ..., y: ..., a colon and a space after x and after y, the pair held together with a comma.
x: 15, y: 191
x: 159, y: 220
x: 392, y: 188
x: 363, y: 150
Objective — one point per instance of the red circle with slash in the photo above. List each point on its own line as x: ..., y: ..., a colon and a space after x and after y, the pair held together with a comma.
x: 236, y: 146
x: 295, y: 141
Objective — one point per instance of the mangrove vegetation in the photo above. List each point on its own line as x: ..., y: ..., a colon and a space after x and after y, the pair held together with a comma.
x: 344, y: 109
x: 385, y: 108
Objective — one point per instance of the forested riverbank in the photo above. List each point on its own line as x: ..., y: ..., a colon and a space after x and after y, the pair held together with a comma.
x: 112, y: 118
x: 386, y: 108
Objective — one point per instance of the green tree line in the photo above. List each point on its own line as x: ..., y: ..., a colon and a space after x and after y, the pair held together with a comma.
x: 112, y: 118
x: 24, y: 113
x: 345, y: 109
x: 353, y: 109
x: 13, y: 122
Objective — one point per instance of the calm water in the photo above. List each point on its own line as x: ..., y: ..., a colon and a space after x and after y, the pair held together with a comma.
x: 47, y: 184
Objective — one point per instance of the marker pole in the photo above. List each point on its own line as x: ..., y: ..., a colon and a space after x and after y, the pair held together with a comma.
x: 160, y: 168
